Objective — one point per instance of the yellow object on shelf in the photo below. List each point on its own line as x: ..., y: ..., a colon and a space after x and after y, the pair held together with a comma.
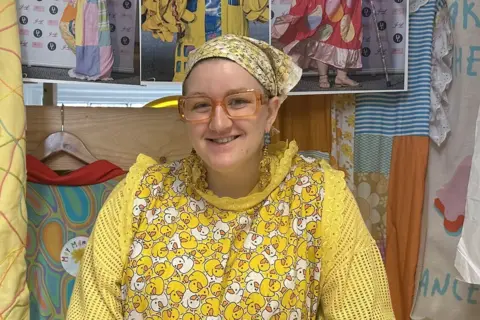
x: 165, y: 102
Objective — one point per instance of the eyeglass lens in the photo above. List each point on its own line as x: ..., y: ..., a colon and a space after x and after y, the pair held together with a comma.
x: 237, y: 105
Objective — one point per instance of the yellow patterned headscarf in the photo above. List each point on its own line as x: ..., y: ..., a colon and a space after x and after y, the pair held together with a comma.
x: 274, y: 69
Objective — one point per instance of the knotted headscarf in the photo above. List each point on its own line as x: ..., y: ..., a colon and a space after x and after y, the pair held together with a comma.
x: 274, y: 69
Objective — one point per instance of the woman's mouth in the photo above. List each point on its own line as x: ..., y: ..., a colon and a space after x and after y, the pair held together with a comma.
x: 223, y: 140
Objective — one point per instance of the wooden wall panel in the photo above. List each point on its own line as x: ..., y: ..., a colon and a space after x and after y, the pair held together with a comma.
x: 114, y: 134
x: 307, y: 120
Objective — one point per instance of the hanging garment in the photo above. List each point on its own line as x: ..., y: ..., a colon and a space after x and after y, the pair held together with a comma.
x: 342, y: 115
x: 441, y: 74
x: 325, y: 31
x: 467, y: 259
x: 86, y: 21
x: 387, y: 124
x: 13, y: 225
x: 61, y: 213
x: 195, y: 22
x: 441, y: 294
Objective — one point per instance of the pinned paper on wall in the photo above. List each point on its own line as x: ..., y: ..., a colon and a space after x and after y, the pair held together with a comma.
x: 48, y: 41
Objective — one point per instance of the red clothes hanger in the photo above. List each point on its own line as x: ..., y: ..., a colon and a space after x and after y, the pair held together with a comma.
x: 63, y: 141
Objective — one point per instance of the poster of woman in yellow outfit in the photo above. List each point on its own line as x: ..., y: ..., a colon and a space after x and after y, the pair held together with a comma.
x: 173, y: 28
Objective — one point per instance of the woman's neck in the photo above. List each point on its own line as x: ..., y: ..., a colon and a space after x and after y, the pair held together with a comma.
x: 236, y: 183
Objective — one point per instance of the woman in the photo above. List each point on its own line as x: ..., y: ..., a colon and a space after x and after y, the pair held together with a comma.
x: 323, y: 33
x: 239, y: 229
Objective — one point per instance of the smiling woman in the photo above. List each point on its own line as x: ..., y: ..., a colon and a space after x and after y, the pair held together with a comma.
x: 240, y: 229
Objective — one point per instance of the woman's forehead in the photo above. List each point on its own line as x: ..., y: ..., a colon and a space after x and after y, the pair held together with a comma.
x: 220, y: 76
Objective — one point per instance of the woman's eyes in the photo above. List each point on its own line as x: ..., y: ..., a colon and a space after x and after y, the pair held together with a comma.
x: 201, y: 106
x: 238, y: 102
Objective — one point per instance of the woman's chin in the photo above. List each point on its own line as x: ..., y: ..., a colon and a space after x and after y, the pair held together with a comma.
x: 222, y: 165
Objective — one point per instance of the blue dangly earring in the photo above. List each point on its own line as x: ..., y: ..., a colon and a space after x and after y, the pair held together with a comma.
x: 266, y: 139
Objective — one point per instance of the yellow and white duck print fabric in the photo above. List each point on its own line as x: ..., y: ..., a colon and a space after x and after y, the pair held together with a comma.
x: 191, y: 260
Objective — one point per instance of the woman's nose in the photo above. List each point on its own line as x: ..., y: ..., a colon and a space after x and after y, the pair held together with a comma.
x: 220, y: 120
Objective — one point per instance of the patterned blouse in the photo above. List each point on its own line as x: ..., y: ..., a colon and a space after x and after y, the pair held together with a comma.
x: 162, y: 249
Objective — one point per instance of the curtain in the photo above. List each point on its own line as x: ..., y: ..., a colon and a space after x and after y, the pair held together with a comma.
x: 342, y: 113
x: 404, y: 207
x: 14, y: 296
x: 442, y: 293
x: 387, y: 125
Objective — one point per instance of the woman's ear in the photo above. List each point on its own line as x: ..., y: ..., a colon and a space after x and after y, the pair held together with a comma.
x: 272, y: 107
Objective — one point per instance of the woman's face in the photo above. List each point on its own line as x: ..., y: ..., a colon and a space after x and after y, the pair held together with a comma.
x: 226, y: 144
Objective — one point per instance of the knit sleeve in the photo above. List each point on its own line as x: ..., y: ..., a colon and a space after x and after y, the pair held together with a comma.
x: 354, y: 283
x: 96, y: 294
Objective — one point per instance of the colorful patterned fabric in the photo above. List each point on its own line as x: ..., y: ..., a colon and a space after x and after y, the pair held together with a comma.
x: 329, y: 31
x: 94, y: 54
x: 403, y: 118
x: 190, y: 254
x: 13, y: 217
x: 60, y: 220
x: 271, y: 67
x: 404, y: 113
x: 342, y: 112
x: 372, y: 197
x: 373, y: 155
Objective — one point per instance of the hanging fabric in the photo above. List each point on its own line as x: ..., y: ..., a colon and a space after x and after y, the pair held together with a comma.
x: 398, y: 122
x: 441, y: 294
x: 342, y: 114
x: 62, y: 211
x: 404, y: 218
x: 441, y: 74
x: 13, y: 217
x: 467, y: 260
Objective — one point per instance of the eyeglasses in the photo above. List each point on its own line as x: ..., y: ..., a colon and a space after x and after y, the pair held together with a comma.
x: 238, y: 105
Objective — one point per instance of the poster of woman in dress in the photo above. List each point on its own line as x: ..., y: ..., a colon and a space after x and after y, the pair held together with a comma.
x: 172, y: 29
x: 344, y: 45
x: 79, y: 40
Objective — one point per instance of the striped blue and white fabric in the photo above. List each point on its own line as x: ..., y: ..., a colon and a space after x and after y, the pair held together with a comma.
x: 404, y: 113
x: 315, y: 154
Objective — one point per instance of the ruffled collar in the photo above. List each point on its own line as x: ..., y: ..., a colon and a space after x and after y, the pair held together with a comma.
x: 281, y: 155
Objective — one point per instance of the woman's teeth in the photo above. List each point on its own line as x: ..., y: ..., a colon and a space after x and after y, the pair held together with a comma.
x: 224, y: 140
